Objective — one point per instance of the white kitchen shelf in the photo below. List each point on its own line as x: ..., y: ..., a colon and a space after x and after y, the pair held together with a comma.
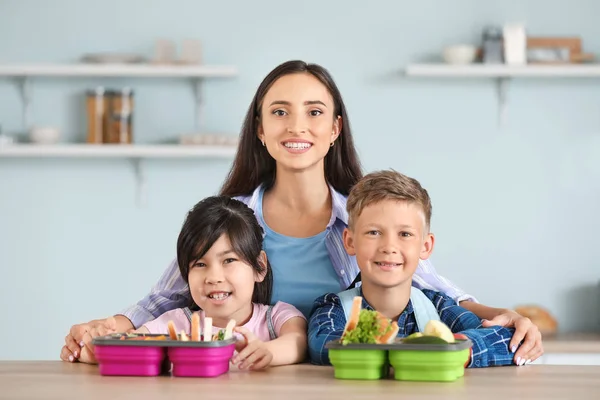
x: 502, y: 74
x: 134, y: 151
x: 116, y: 70
x: 25, y: 73
x: 503, y: 71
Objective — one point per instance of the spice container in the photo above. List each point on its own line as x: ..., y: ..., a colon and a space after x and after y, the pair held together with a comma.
x: 119, y: 119
x: 97, y: 105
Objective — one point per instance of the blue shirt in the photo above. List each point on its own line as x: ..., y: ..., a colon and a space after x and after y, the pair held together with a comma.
x: 490, y: 345
x: 302, y: 269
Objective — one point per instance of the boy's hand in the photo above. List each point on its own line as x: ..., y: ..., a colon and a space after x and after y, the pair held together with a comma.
x: 525, y: 330
x: 252, y: 352
x: 460, y: 336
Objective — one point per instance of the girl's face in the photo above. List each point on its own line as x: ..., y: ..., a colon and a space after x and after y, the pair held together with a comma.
x: 222, y: 284
x: 298, y: 123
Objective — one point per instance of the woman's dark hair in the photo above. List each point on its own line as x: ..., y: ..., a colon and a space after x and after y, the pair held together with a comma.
x: 253, y: 165
x: 221, y: 215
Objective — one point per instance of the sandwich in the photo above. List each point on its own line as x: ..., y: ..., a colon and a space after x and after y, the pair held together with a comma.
x: 368, y: 326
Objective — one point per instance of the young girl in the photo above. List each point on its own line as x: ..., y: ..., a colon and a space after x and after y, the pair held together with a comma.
x: 220, y: 256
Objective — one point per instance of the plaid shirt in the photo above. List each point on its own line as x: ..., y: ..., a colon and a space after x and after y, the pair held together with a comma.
x: 490, y: 345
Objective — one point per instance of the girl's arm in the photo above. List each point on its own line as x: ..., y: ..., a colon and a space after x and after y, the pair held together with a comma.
x: 290, y: 347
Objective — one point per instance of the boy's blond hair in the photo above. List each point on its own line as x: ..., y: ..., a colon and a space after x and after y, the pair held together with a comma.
x: 387, y: 185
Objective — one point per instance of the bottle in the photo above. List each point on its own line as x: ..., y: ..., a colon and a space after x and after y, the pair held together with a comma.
x: 515, y: 44
x: 492, y: 45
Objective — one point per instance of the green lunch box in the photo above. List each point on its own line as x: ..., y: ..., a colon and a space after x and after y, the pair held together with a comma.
x: 410, y: 361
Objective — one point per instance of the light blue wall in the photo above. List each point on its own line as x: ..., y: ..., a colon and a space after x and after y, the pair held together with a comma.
x: 515, y: 210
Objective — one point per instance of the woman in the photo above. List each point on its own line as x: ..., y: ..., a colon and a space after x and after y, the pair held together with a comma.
x: 295, y: 165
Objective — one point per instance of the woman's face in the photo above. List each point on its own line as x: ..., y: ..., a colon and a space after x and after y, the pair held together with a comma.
x: 298, y: 123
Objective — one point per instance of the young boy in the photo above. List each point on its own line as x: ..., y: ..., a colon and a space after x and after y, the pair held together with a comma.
x: 388, y: 232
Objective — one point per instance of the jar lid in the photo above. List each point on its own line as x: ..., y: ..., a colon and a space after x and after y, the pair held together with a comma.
x: 98, y: 91
x: 126, y: 91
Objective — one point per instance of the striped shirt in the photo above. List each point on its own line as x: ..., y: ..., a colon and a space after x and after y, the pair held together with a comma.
x: 171, y: 291
x: 490, y: 345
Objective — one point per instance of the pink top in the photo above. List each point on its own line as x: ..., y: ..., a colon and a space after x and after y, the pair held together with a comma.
x: 257, y: 324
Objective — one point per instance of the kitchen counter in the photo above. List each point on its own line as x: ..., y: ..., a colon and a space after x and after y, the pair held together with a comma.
x: 572, y: 343
x: 61, y: 380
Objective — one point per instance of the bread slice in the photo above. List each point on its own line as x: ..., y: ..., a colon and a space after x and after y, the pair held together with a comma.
x: 391, y: 335
x: 354, y: 314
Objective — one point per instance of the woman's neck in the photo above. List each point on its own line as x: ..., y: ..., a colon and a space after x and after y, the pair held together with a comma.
x: 391, y: 302
x: 305, y: 192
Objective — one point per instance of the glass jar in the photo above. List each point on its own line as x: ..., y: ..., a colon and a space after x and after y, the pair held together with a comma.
x: 120, y: 117
x: 97, y: 107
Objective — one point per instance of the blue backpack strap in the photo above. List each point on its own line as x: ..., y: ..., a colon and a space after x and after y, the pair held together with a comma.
x: 346, y: 298
x: 423, y: 308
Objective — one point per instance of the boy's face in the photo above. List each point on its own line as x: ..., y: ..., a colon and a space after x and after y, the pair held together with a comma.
x: 388, y: 238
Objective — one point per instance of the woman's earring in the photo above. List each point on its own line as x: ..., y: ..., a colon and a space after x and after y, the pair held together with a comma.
x: 331, y: 145
x: 263, y: 142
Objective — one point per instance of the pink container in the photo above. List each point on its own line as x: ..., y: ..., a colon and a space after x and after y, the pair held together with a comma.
x: 130, y: 360
x: 208, y: 361
x: 142, y: 355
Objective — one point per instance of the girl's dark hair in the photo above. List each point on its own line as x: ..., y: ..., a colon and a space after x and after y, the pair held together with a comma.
x: 222, y: 215
x: 253, y: 165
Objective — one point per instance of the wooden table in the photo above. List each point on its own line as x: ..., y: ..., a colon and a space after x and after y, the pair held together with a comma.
x: 61, y: 380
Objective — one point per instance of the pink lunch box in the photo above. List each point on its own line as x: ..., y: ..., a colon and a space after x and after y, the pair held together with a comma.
x: 148, y: 355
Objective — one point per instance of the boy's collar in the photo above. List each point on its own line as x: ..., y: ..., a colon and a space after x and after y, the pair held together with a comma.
x: 409, y: 307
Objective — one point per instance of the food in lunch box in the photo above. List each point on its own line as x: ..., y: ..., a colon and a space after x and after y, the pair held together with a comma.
x: 133, y: 336
x: 172, y: 332
x: 439, y: 329
x: 367, y: 326
x: 195, y: 327
x: 206, y: 335
x: 435, y: 332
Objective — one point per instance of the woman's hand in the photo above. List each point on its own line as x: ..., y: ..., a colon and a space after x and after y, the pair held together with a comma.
x: 525, y: 330
x: 252, y: 353
x: 78, y: 342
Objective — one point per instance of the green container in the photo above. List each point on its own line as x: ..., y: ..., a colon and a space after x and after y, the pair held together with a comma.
x: 411, y: 362
x: 430, y: 362
x: 358, y: 362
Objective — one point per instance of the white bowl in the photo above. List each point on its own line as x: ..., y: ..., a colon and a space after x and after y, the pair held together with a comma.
x: 44, y: 135
x: 460, y: 54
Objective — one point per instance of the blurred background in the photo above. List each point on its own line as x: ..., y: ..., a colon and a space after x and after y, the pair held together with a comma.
x: 515, y: 204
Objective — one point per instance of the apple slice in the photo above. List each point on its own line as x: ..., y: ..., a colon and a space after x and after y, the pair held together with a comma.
x: 439, y: 329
